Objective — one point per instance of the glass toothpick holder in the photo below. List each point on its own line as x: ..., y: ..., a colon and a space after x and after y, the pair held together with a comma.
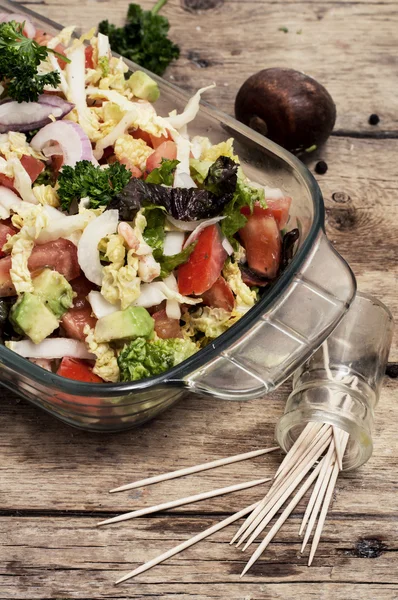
x: 340, y: 384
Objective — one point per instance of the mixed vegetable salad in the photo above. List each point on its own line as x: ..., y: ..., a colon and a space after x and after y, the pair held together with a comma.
x: 126, y: 246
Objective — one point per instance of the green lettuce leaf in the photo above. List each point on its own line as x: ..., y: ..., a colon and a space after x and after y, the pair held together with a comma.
x: 199, y: 169
x: 169, y: 263
x: 154, y: 233
x: 142, y: 358
x: 163, y: 174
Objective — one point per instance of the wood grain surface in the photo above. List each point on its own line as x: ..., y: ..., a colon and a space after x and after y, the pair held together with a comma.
x: 55, y: 480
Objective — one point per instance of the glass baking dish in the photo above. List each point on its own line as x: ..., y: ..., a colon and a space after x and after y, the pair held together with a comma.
x: 258, y: 353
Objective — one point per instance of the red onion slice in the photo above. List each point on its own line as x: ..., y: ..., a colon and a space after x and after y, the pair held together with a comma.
x: 25, y: 116
x: 71, y: 138
x: 29, y: 29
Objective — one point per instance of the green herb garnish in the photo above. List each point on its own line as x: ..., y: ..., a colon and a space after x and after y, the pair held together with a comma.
x: 163, y: 174
x: 86, y: 180
x: 46, y: 177
x: 20, y: 57
x: 144, y: 38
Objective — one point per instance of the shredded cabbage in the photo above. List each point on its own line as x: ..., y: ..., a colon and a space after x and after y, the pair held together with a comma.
x: 106, y: 365
x: 46, y: 195
x: 210, y: 321
x: 123, y: 284
x: 75, y: 74
x: 190, y: 111
x: 19, y: 272
x: 135, y: 151
x: 245, y: 297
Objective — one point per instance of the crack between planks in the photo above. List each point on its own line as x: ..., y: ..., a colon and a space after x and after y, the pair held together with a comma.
x: 365, y: 135
x: 26, y: 513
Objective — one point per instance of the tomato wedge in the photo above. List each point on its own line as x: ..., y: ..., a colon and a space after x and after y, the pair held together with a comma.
x: 88, y: 51
x: 262, y: 241
x: 32, y: 166
x: 135, y: 171
x: 219, y: 295
x: 156, y: 141
x: 5, y: 231
x: 60, y: 255
x: 80, y: 315
x: 73, y: 368
x: 42, y: 38
x: 165, y: 150
x: 7, y: 182
x: 204, y: 264
x: 165, y: 327
x: 140, y: 134
x: 276, y: 207
x: 56, y: 163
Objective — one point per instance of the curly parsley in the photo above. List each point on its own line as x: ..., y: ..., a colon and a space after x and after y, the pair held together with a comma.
x: 144, y: 38
x: 20, y: 57
x: 86, y: 180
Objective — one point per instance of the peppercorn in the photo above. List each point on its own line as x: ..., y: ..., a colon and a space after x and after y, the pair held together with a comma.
x: 374, y: 119
x: 321, y: 167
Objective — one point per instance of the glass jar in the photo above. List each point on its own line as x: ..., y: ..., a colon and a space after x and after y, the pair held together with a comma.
x: 340, y: 384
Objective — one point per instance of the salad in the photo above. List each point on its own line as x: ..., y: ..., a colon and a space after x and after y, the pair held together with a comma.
x: 125, y: 245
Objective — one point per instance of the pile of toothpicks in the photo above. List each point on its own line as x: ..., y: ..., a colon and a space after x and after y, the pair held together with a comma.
x: 314, y: 460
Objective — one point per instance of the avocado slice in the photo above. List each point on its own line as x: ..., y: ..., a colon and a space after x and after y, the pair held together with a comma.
x: 31, y: 316
x: 143, y: 86
x: 53, y: 289
x: 133, y: 322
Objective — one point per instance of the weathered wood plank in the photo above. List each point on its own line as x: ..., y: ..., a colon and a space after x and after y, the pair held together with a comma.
x: 59, y: 469
x: 41, y: 558
x: 346, y: 46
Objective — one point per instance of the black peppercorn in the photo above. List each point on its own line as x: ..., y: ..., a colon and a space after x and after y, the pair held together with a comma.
x: 321, y: 167
x: 374, y: 119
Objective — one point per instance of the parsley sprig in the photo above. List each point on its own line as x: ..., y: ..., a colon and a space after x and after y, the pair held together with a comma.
x: 144, y: 38
x: 86, y: 180
x: 20, y: 57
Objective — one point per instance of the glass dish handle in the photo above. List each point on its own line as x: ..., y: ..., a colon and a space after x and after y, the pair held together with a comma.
x: 286, y: 335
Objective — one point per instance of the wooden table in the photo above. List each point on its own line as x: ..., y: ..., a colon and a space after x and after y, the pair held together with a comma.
x: 55, y: 480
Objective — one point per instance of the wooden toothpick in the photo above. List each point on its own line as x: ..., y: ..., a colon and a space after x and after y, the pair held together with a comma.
x: 321, y: 436
x: 278, y: 524
x: 187, y: 544
x: 326, y: 503
x: 183, y: 501
x: 195, y: 469
x: 325, y: 462
x: 293, y: 480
